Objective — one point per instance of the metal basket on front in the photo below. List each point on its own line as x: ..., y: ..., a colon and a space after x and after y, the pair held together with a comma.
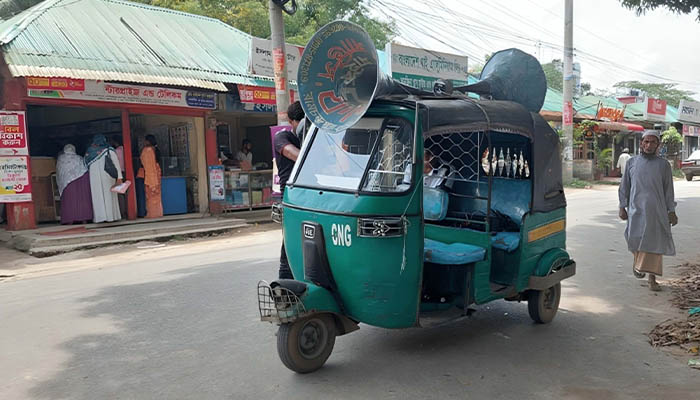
x: 278, y: 304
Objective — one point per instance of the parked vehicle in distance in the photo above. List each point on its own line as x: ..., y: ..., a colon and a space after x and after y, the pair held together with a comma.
x: 691, y: 166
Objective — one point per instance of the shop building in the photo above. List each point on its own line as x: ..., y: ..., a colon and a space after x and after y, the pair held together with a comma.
x: 136, y: 70
x: 689, y: 116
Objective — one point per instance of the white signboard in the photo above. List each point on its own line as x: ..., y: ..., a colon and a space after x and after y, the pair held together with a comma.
x: 135, y: 94
x: 689, y: 111
x: 14, y: 180
x: 217, y: 190
x: 419, y: 68
x: 261, y: 58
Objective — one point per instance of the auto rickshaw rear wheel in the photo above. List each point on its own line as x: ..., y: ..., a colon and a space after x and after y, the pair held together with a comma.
x: 305, y: 344
x: 542, y: 305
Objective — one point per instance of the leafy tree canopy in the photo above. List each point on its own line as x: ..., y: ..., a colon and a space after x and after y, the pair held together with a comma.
x: 664, y: 91
x: 555, y: 78
x: 251, y: 16
x: 676, y: 6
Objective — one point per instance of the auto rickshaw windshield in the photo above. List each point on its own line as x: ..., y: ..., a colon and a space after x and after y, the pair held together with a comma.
x: 373, y: 155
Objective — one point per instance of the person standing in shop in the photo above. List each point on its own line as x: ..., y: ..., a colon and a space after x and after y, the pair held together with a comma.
x: 151, y: 173
x: 245, y: 155
x: 119, y: 149
x: 105, y: 173
x: 73, y: 181
x: 287, y: 144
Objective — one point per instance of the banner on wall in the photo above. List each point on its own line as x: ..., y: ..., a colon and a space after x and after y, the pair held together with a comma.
x: 79, y: 89
x: 13, y: 134
x: 15, y: 184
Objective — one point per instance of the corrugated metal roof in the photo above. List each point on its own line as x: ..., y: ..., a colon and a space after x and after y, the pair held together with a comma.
x: 123, y: 41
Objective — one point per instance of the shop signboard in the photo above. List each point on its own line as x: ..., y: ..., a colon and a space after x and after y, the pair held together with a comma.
x: 261, y: 62
x: 689, y: 111
x: 13, y: 134
x: 217, y: 190
x: 15, y: 185
x: 655, y: 110
x: 42, y: 83
x: 122, y: 93
x: 691, y: 130
x: 420, y: 68
x: 254, y: 99
x: 610, y: 114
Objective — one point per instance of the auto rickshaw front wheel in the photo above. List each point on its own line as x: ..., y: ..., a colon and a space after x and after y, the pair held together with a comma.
x: 305, y: 344
x: 542, y: 305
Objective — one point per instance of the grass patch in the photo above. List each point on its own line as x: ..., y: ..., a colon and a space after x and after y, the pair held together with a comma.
x: 677, y: 173
x: 613, y: 183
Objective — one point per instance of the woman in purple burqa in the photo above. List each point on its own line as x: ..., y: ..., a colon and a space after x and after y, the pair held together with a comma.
x: 73, y: 182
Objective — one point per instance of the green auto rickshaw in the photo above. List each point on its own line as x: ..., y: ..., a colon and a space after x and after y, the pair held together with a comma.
x: 405, y: 208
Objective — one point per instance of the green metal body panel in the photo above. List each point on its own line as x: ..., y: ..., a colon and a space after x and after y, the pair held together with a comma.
x: 530, y: 253
x: 379, y: 279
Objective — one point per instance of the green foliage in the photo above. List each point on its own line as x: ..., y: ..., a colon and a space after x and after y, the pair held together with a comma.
x: 664, y: 91
x: 672, y: 140
x: 578, y: 184
x: 604, y: 159
x: 585, y: 89
x: 251, y: 16
x: 676, y: 6
x: 555, y: 78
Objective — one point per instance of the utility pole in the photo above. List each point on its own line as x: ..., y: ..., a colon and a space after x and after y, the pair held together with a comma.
x: 279, y: 61
x: 567, y: 111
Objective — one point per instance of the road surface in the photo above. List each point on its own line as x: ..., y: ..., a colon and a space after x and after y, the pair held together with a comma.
x: 181, y: 322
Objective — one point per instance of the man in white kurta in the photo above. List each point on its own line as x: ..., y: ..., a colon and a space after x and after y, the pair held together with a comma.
x: 105, y: 203
x: 647, y: 204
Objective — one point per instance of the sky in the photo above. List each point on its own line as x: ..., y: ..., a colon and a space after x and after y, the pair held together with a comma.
x: 611, y: 42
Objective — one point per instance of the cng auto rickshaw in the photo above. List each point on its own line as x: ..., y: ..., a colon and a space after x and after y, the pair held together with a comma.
x: 405, y: 208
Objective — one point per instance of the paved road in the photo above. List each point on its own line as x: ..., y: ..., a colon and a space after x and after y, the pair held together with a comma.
x: 180, y: 322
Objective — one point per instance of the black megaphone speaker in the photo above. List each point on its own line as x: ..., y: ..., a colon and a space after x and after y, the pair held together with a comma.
x: 512, y: 75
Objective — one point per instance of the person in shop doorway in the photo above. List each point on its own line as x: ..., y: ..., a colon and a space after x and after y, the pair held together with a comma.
x: 73, y: 182
x: 287, y: 144
x: 105, y: 172
x: 119, y: 149
x: 150, y: 171
x: 647, y: 204
x: 245, y: 155
x: 622, y: 160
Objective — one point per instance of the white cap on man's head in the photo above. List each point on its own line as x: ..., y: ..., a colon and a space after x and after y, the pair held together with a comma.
x: 651, y: 132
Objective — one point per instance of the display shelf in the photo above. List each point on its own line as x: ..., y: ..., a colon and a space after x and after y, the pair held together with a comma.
x: 247, y: 189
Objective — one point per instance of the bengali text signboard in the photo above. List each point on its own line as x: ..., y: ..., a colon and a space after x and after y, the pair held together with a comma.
x: 13, y: 134
x: 689, y: 111
x: 420, y: 68
x: 261, y: 58
x: 15, y: 185
x: 122, y: 93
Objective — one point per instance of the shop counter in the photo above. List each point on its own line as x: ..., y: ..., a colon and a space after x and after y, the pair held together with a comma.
x: 247, y: 189
x: 174, y: 195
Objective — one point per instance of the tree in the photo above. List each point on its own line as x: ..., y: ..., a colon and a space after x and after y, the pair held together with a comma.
x: 672, y: 140
x: 664, y: 91
x: 585, y: 88
x: 251, y: 16
x: 555, y: 78
x: 676, y: 6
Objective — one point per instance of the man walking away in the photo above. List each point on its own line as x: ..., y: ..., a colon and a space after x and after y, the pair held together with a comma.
x: 287, y: 144
x: 622, y: 160
x: 647, y: 204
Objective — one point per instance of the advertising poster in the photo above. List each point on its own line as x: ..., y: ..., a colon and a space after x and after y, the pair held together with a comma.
x: 262, y: 63
x: 217, y: 191
x: 15, y: 184
x: 13, y: 134
x: 420, y: 68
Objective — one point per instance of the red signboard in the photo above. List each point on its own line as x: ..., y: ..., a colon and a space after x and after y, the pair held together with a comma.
x: 13, y: 134
x: 259, y: 94
x: 656, y: 109
x: 40, y: 83
x: 611, y: 114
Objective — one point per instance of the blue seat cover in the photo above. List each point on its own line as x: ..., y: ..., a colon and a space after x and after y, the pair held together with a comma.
x: 452, y: 254
x: 508, y: 241
x: 435, y: 202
